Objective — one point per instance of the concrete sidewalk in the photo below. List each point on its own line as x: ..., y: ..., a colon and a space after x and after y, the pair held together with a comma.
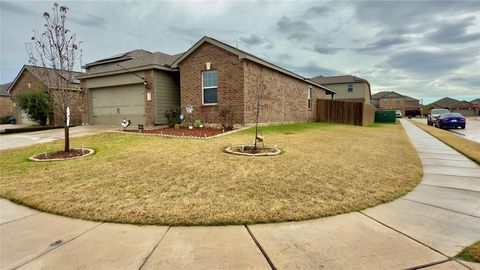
x: 424, y: 229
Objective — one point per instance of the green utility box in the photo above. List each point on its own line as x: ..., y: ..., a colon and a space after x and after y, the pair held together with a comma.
x: 385, y: 117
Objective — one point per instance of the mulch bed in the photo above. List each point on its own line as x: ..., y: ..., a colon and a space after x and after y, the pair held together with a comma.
x: 62, y: 154
x: 204, y: 132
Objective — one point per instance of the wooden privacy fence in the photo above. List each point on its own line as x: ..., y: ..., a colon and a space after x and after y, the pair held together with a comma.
x: 345, y: 112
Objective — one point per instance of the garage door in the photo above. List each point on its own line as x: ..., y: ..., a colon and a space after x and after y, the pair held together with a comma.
x: 111, y: 104
x: 24, y: 119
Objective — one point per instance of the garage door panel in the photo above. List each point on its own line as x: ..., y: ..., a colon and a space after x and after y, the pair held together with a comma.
x: 110, y: 105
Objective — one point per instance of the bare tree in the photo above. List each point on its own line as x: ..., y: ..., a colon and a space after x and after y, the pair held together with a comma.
x: 56, y: 50
x: 259, y: 95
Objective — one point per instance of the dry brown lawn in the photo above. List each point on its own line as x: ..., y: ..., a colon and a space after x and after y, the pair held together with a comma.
x: 325, y: 170
x: 471, y: 253
x: 469, y: 148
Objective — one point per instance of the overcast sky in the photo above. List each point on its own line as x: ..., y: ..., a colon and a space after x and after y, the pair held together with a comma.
x: 425, y: 49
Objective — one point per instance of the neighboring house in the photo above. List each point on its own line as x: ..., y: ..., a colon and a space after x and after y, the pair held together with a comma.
x: 214, y: 75
x: 347, y: 87
x: 476, y: 105
x: 390, y: 100
x: 137, y: 85
x: 464, y: 107
x: 33, y: 78
x: 210, y: 76
x: 6, y: 104
x: 443, y: 103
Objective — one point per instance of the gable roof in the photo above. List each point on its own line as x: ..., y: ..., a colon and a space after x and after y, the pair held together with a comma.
x: 4, y: 89
x: 338, y: 79
x: 43, y: 74
x: 245, y: 55
x: 445, y: 102
x: 133, y: 60
x: 382, y: 94
x: 475, y: 101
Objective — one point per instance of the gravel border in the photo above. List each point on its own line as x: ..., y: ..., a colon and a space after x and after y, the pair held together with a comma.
x: 90, y: 152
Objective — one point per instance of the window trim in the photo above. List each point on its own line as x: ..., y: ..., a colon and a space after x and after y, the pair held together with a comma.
x: 309, y: 98
x: 348, y: 88
x: 208, y: 87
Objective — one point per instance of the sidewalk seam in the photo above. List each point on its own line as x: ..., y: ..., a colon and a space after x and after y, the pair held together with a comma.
x: 269, y: 261
x: 443, y: 208
x: 406, y: 235
x: 428, y: 264
x: 154, y: 248
x: 430, y: 185
x: 7, y: 222
x: 54, y: 248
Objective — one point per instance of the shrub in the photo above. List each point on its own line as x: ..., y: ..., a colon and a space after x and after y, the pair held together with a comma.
x: 226, y: 117
x: 37, y: 105
x: 173, y: 116
x: 198, y: 123
x: 185, y: 123
x: 9, y: 119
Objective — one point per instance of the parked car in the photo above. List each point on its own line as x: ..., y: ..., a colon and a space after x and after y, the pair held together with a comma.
x: 398, y: 114
x: 450, y: 120
x: 434, y: 114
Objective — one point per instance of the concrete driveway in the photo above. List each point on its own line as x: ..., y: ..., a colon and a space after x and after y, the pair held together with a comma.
x: 471, y: 131
x: 28, y: 138
x: 424, y: 229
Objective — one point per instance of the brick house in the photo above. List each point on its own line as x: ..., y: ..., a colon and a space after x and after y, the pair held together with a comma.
x: 347, y: 87
x: 443, y: 103
x: 210, y: 76
x: 390, y: 100
x: 214, y: 75
x: 33, y: 78
x: 6, y: 103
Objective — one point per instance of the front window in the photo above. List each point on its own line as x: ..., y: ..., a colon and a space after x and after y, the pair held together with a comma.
x: 350, y: 87
x: 398, y: 100
x: 309, y: 97
x: 385, y: 100
x: 209, y: 87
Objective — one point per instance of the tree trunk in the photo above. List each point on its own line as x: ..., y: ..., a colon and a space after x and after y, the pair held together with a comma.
x: 67, y: 138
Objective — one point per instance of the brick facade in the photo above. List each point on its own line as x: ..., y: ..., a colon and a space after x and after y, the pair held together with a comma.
x: 6, y: 106
x: 285, y: 97
x: 392, y: 103
x: 149, y: 104
x: 27, y: 82
x: 229, y: 79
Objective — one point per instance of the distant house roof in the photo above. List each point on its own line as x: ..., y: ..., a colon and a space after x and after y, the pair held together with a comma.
x: 4, y: 89
x: 337, y: 79
x: 133, y: 60
x: 445, y: 102
x: 475, y: 101
x: 45, y: 75
x: 245, y: 55
x: 382, y: 94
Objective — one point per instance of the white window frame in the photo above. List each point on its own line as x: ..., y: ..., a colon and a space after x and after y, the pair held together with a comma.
x: 309, y: 98
x: 208, y: 87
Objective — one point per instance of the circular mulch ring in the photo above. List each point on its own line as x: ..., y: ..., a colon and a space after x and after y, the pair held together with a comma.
x: 74, y: 153
x: 249, y: 150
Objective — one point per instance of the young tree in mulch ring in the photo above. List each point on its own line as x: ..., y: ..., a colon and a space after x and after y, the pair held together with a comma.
x: 259, y: 94
x: 37, y: 105
x: 57, y: 48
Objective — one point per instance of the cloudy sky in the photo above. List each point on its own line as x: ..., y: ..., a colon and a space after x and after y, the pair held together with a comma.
x: 425, y: 49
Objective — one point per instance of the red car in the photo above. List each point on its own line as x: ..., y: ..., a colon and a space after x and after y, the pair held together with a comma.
x: 451, y: 120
